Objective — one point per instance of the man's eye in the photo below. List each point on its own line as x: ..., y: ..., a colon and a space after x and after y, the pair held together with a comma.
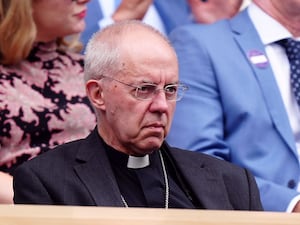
x: 147, y: 88
x: 171, y: 89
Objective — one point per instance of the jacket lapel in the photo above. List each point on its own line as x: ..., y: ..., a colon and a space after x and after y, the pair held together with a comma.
x: 250, y: 43
x: 96, y: 173
x: 206, y: 183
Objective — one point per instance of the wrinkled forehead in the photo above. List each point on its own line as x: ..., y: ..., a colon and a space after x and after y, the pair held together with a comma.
x: 147, y: 40
x: 152, y: 57
x: 149, y: 72
x: 147, y: 47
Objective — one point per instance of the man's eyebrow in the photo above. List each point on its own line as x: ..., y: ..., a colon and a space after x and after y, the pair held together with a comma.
x: 147, y: 82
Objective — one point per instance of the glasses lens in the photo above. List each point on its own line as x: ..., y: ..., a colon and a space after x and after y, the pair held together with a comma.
x: 145, y: 91
x: 181, y: 89
x: 171, y: 91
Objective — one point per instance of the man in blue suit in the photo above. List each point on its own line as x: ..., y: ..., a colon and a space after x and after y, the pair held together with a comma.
x: 163, y: 15
x: 240, y: 106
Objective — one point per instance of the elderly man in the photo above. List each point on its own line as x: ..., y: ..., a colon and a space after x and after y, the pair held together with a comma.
x: 132, y: 82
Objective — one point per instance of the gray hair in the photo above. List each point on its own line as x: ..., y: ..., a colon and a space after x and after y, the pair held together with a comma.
x: 102, y: 55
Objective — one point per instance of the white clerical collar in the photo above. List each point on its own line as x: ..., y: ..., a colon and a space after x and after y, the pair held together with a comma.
x: 138, y: 162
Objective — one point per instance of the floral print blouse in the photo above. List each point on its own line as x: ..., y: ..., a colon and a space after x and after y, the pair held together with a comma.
x: 42, y: 104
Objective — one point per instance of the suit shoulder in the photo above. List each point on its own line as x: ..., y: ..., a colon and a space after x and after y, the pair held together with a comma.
x: 201, y: 30
x: 58, y: 155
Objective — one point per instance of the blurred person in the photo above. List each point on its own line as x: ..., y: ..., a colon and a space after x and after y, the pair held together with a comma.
x: 42, y: 101
x: 210, y: 11
x: 161, y: 14
x: 131, y: 74
x: 240, y: 106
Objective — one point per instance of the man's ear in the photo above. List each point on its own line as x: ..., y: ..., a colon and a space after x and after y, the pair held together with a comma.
x: 95, y: 93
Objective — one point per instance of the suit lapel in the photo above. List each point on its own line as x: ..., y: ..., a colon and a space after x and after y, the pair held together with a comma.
x: 206, y: 183
x: 95, y: 172
x: 249, y: 42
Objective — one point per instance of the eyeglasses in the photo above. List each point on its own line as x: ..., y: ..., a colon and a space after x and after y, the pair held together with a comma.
x: 173, y: 92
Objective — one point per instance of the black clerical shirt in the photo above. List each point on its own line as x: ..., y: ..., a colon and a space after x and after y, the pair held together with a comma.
x: 145, y: 187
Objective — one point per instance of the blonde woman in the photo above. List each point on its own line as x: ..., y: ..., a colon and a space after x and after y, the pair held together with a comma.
x: 42, y: 99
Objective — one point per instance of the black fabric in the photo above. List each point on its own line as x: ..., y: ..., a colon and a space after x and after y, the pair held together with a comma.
x: 80, y: 173
x: 145, y: 187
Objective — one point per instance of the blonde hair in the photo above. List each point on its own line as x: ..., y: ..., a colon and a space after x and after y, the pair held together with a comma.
x: 18, y: 32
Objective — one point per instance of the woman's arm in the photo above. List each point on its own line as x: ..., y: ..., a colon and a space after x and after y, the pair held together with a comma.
x: 6, y: 188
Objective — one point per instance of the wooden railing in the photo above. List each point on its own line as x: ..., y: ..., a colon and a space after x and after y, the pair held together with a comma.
x: 76, y: 215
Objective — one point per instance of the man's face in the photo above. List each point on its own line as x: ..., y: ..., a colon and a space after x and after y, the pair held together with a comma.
x: 213, y: 10
x: 289, y: 9
x: 135, y: 126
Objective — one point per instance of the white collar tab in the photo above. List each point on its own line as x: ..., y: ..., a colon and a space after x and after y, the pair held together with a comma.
x: 138, y: 162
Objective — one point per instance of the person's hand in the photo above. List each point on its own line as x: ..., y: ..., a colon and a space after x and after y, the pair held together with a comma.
x: 297, y: 207
x: 6, y: 188
x: 131, y: 9
x: 209, y: 11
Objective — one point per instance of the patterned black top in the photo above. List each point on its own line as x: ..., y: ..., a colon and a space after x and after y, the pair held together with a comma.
x: 42, y: 104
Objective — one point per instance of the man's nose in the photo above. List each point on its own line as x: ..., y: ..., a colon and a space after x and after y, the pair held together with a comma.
x: 160, y: 102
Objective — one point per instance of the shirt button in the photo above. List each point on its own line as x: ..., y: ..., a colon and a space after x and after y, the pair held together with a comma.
x: 291, y: 184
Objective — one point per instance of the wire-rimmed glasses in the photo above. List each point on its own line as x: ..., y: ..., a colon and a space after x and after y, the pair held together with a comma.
x: 147, y: 91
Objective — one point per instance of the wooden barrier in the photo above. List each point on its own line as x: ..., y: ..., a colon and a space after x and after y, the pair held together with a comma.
x: 76, y: 215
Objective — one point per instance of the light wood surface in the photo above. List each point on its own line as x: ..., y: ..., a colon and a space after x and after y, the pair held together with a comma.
x: 75, y: 215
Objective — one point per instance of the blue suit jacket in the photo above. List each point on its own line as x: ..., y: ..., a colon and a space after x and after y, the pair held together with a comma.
x: 173, y: 13
x: 234, y: 109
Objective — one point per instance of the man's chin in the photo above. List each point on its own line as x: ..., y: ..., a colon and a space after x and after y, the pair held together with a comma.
x: 154, y: 143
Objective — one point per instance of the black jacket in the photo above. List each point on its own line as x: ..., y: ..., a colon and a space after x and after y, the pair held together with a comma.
x: 79, y: 173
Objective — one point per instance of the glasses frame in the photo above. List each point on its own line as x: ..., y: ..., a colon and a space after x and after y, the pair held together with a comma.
x: 180, y: 88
